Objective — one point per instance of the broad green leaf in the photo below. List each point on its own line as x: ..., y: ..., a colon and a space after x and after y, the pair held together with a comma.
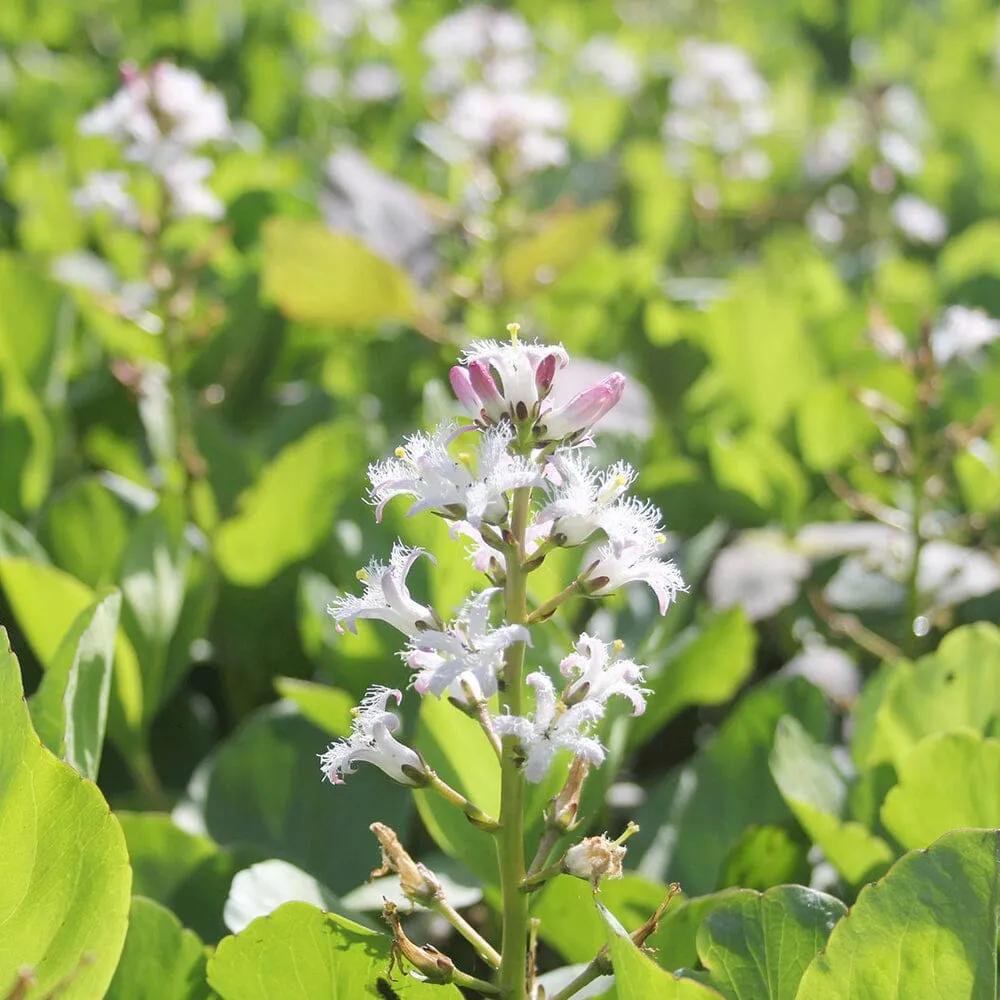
x: 978, y: 475
x: 70, y: 708
x: 320, y: 828
x: 816, y: 792
x: 318, y: 276
x: 85, y: 527
x: 46, y: 602
x: 766, y: 856
x: 314, y: 955
x: 187, y: 873
x: 455, y: 747
x: 564, y: 238
x: 64, y: 875
x: 638, y: 977
x: 707, y: 671
x: 757, y: 946
x: 162, y: 960
x: 674, y: 943
x: 327, y: 707
x: 926, y: 931
x: 948, y: 780
x: 971, y: 254
x: 956, y: 687
x: 289, y: 510
x: 693, y: 817
x: 572, y: 924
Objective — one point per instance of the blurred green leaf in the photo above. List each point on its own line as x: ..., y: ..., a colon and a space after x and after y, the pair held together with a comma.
x: 162, y: 960
x: 766, y: 856
x: 322, y: 954
x: 563, y: 237
x: 16, y: 542
x: 327, y: 707
x: 693, y: 817
x: 831, y: 426
x: 757, y: 946
x: 948, y: 780
x: 978, y: 475
x: 65, y: 890
x: 925, y: 931
x: 70, y: 708
x: 187, y: 873
x: 46, y: 602
x: 289, y: 510
x: 956, y: 687
x: 709, y: 670
x: 318, y: 276
x: 816, y: 792
x: 236, y: 796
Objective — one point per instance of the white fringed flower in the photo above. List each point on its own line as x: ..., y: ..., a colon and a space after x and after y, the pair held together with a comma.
x: 386, y: 597
x: 548, y: 731
x: 372, y: 742
x: 424, y: 469
x: 633, y: 560
x: 595, y: 674
x: 962, y: 333
x: 469, y: 651
x: 584, y: 497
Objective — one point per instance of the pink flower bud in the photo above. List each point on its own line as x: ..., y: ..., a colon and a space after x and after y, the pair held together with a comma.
x: 545, y: 373
x: 461, y: 385
x: 575, y: 418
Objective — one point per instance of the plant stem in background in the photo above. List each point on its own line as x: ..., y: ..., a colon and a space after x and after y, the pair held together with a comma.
x: 510, y: 837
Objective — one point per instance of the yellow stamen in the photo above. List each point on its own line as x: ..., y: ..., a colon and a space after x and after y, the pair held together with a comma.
x: 400, y: 452
x: 361, y: 575
x: 618, y: 645
x: 513, y: 329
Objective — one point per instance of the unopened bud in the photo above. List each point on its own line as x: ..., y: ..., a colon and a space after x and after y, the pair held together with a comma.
x: 418, y: 882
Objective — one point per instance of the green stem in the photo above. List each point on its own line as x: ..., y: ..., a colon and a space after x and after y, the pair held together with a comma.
x: 510, y: 837
x: 483, y: 948
x: 918, y: 486
x: 456, y: 798
x: 599, y: 966
x: 148, y: 781
x: 547, y: 609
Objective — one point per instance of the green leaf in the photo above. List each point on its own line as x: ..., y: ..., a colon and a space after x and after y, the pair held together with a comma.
x: 70, y: 708
x: 816, y: 792
x: 831, y: 425
x: 564, y: 237
x: 692, y: 819
x: 674, y: 943
x: 301, y: 951
x: 299, y: 817
x: 455, y: 747
x: 765, y: 856
x: 318, y: 276
x: 927, y: 931
x: 956, y: 687
x: 46, y: 602
x: 638, y: 977
x: 757, y: 946
x: 948, y: 780
x: 327, y: 707
x: 161, y: 960
x: 85, y: 527
x: 573, y: 925
x: 154, y: 574
x: 65, y: 890
x: 185, y: 872
x: 286, y: 514
x: 709, y: 670
x: 970, y: 255
x: 17, y: 542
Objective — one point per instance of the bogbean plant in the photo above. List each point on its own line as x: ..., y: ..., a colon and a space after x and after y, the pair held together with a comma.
x: 518, y: 481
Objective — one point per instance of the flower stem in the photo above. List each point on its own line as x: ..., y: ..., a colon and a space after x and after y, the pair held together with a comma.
x: 510, y: 837
x: 456, y: 798
x: 547, y: 609
x: 483, y: 948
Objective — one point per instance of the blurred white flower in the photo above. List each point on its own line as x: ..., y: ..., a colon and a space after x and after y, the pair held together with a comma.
x: 343, y: 20
x: 918, y: 220
x: 615, y: 65
x: 106, y: 191
x: 828, y: 667
x: 718, y: 101
x: 962, y: 333
x: 373, y: 82
x: 760, y: 572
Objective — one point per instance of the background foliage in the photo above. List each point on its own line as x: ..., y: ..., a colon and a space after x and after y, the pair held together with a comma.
x: 180, y: 502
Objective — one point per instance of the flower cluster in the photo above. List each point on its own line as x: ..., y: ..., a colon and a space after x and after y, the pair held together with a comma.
x: 161, y: 118
x: 517, y: 482
x: 719, y: 102
x: 483, y: 67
